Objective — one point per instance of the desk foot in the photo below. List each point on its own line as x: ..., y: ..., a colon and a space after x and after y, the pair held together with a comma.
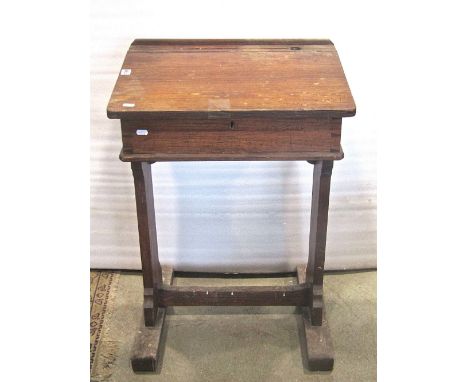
x: 319, y: 347
x: 146, y: 349
x: 147, y: 343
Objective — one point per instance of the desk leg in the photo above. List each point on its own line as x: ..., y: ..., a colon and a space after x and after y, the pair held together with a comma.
x: 152, y: 277
x: 148, y: 347
x: 319, y: 347
x: 318, y: 236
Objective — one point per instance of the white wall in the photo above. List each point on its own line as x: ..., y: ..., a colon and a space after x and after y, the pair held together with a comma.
x: 232, y: 216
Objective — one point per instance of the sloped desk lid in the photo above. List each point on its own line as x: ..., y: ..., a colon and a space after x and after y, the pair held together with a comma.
x: 199, y: 78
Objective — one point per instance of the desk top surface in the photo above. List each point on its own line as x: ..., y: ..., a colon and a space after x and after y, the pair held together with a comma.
x: 242, y: 77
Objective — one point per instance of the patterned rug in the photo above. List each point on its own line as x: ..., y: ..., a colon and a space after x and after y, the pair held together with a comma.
x: 102, y: 283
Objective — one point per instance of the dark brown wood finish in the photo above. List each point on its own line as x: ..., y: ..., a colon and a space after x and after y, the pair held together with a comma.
x: 232, y: 100
x: 147, y: 347
x: 152, y: 277
x: 158, y: 157
x: 320, y: 355
x: 291, y: 295
x: 318, y: 236
x: 264, y: 138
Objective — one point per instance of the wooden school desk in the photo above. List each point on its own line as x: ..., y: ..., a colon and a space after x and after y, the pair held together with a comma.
x: 202, y: 100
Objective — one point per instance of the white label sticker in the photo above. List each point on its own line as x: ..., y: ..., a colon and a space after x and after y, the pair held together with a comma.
x: 125, y: 72
x: 142, y: 132
x: 128, y: 105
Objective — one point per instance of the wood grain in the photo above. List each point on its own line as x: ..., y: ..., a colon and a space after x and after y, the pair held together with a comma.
x: 291, y: 295
x: 279, y: 156
x: 241, y: 77
x: 319, y: 351
x: 232, y: 100
x: 148, y: 238
x: 177, y: 139
x: 147, y: 346
x: 318, y: 236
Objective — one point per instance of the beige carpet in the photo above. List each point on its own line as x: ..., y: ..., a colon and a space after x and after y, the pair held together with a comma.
x: 102, y: 295
x: 238, y: 343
